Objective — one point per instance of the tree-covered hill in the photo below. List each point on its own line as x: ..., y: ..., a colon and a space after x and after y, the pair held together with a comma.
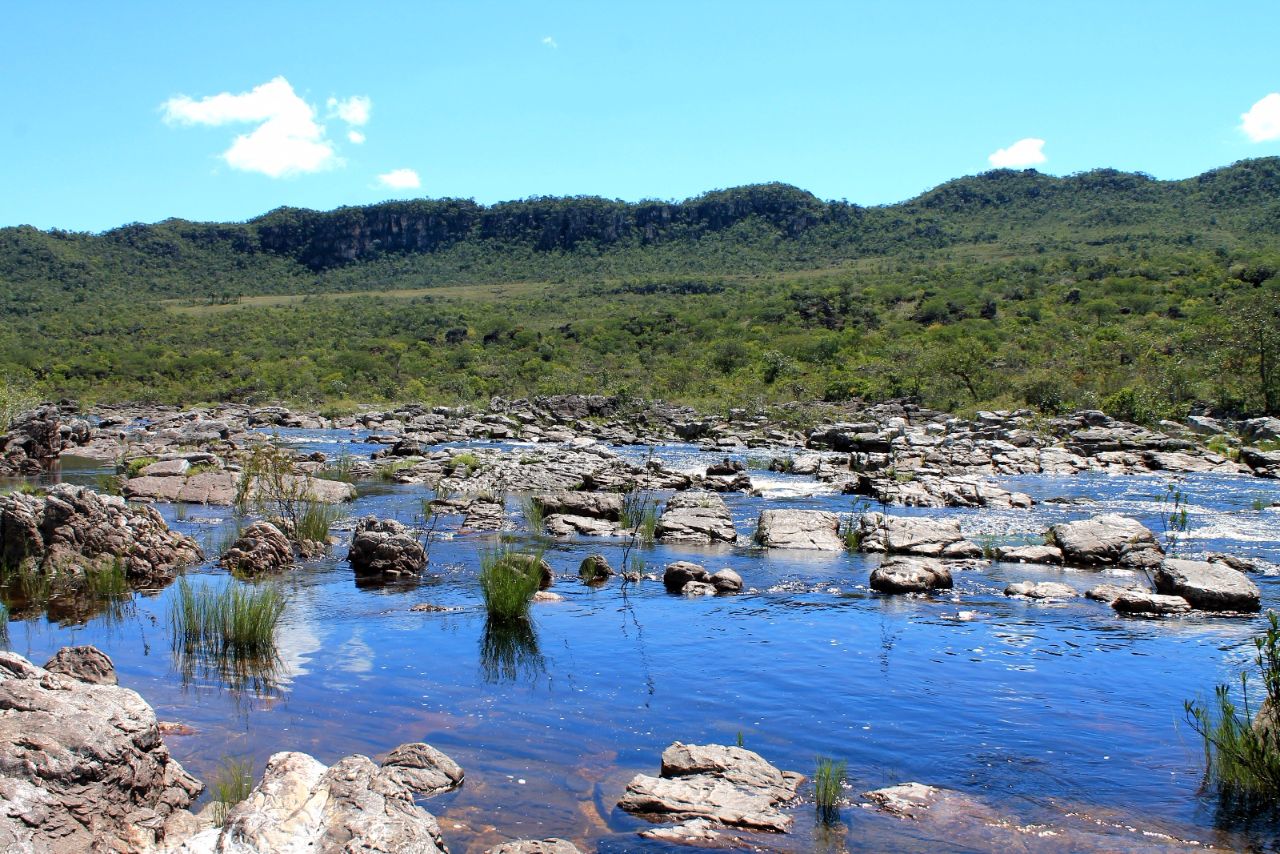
x: 1006, y: 287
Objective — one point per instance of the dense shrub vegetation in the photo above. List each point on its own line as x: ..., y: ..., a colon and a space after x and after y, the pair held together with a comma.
x: 1103, y: 289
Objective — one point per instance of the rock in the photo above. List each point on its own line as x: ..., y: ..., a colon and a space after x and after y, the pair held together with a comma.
x: 1041, y: 590
x: 533, y: 563
x: 36, y: 434
x: 1263, y: 463
x: 1030, y: 554
x: 696, y: 517
x: 1109, y: 592
x: 221, y: 487
x: 482, y: 514
x: 726, y: 468
x: 564, y: 525
x: 910, y: 575
x: 1108, y: 540
x: 594, y: 569
x: 166, y: 468
x: 799, y: 529
x: 546, y: 596
x: 1236, y: 562
x: 698, y: 588
x: 727, y: 581
x: 915, y: 536
x: 1143, y: 602
x: 74, y: 529
x: 1204, y: 425
x: 535, y: 846
x: 1207, y: 586
x: 86, y: 663
x: 82, y: 764
x: 680, y: 573
x: 354, y: 805
x: 595, y: 505
x: 727, y: 785
x: 385, y: 547
x: 259, y: 549
x: 906, y: 800
x: 1261, y: 430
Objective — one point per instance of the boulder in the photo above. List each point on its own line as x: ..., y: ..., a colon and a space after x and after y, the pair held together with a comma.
x: 166, y: 468
x: 565, y: 525
x: 726, y: 468
x: 535, y: 846
x: 1263, y: 463
x: 815, y: 530
x: 1207, y: 586
x: 260, y: 548
x: 698, y: 588
x: 1108, y: 540
x: 726, y: 581
x: 74, y: 529
x: 730, y: 786
x: 385, y: 547
x: 1030, y: 554
x: 36, y: 434
x: 222, y: 487
x: 914, y: 535
x: 595, y: 505
x: 1110, y: 592
x: 680, y: 573
x: 594, y: 569
x: 354, y: 805
x: 910, y: 575
x: 1144, y: 602
x: 1041, y: 590
x: 696, y: 517
x: 86, y: 663
x: 1261, y: 429
x: 82, y: 763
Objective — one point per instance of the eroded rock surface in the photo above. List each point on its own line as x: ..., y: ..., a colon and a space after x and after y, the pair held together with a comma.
x: 815, y: 530
x: 260, y: 548
x: 914, y: 535
x: 1109, y: 540
x: 696, y: 517
x: 1208, y: 586
x: 385, y: 547
x: 910, y: 575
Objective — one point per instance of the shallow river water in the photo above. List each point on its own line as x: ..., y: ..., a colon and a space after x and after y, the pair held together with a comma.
x: 1040, y: 710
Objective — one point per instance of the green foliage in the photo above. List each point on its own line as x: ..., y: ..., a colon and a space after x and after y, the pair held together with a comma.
x: 1242, y: 753
x: 1173, y: 518
x: 828, y: 786
x: 639, y: 517
x: 852, y: 534
x: 238, y: 620
x: 232, y: 782
x: 18, y: 394
x: 315, y: 518
x: 388, y: 471
x: 135, y: 466
x: 534, y: 515
x: 508, y: 580
x: 466, y: 462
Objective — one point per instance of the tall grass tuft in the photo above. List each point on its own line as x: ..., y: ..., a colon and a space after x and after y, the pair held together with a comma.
x: 315, y: 518
x: 1242, y: 752
x: 640, y: 516
x: 534, y: 515
x: 232, y: 782
x: 237, y: 620
x: 828, y: 785
x: 508, y: 581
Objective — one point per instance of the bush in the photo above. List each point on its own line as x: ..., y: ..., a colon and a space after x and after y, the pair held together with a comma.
x: 1242, y: 752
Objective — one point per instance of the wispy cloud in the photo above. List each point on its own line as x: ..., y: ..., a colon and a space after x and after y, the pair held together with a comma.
x: 400, y: 179
x: 1262, y: 122
x: 1023, y: 153
x: 550, y: 42
x: 354, y: 110
x: 288, y: 139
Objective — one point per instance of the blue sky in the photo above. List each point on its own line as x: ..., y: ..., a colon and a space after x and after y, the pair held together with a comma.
x: 105, y: 117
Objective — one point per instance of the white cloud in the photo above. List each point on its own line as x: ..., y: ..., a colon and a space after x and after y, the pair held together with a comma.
x: 1262, y: 122
x: 549, y: 41
x: 355, y: 136
x: 1023, y: 153
x: 400, y: 179
x: 354, y: 110
x: 287, y: 141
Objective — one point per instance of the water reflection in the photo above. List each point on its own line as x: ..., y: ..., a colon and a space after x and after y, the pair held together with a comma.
x: 509, y: 652
x: 257, y: 676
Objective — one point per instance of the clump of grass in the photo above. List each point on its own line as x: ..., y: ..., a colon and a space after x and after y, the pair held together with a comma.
x: 508, y: 581
x: 135, y: 466
x: 106, y: 583
x: 828, y: 784
x: 342, y: 468
x: 534, y: 515
x: 237, y: 620
x: 1259, y: 504
x: 990, y: 544
x: 315, y: 518
x: 388, y: 471
x: 852, y: 535
x: 232, y: 782
x: 465, y: 461
x: 1242, y: 753
x: 640, y: 516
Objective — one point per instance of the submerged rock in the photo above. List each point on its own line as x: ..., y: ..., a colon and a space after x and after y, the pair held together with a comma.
x: 260, y: 548
x: 727, y: 785
x: 74, y: 529
x: 815, y: 530
x: 914, y: 536
x: 1108, y: 540
x: 385, y: 547
x: 910, y: 575
x: 353, y: 805
x: 696, y: 517
x: 82, y: 764
x: 1208, y: 586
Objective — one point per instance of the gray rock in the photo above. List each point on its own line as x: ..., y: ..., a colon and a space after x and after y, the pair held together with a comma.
x: 82, y: 764
x: 564, y: 525
x: 1261, y: 429
x: 260, y: 548
x: 1041, y: 590
x: 696, y: 517
x: 1030, y: 554
x: 914, y: 536
x: 385, y: 547
x: 420, y: 768
x: 1108, y: 540
x: 594, y: 569
x: 1109, y: 592
x: 86, y: 663
x: 1263, y: 463
x: 597, y: 505
x: 1207, y: 586
x: 680, y: 573
x: 910, y: 575
x: 727, y: 785
x: 221, y: 487
x: 727, y: 581
x: 698, y: 588
x: 1143, y: 602
x: 166, y: 468
x: 535, y: 846
x: 815, y: 530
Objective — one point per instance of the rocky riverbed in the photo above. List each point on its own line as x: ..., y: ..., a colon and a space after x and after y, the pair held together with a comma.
x: 995, y: 612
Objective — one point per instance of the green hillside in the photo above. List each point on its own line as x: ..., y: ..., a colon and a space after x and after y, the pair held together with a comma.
x: 1007, y: 288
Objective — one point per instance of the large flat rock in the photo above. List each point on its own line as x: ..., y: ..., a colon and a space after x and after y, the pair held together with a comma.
x: 1208, y: 586
x: 815, y: 530
x: 220, y: 487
